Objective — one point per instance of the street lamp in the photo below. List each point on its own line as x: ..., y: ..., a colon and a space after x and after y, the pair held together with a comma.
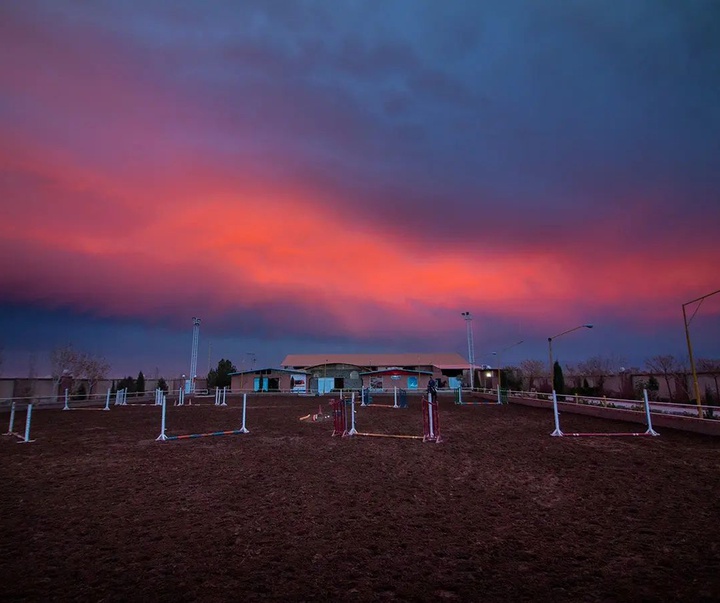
x: 550, y: 339
x: 471, y: 347
x: 690, y: 352
x: 500, y: 366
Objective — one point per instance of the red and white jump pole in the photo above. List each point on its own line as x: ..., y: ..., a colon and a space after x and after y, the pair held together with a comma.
x: 431, y: 422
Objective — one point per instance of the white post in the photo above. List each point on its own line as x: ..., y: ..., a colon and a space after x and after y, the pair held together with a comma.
x: 499, y: 397
x: 162, y: 437
x: 27, y: 424
x: 182, y: 396
x: 224, y: 396
x: 217, y: 392
x: 243, y: 429
x: 352, y: 431
x: 557, y: 431
x: 12, y: 419
x: 67, y: 406
x: 107, y: 400
x: 430, y: 416
x: 650, y: 430
x: 395, y: 405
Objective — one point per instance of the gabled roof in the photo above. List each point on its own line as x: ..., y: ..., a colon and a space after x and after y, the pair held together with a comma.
x: 394, y: 370
x: 272, y: 370
x: 449, y: 360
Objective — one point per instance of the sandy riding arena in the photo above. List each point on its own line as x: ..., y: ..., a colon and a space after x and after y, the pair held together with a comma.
x: 95, y: 509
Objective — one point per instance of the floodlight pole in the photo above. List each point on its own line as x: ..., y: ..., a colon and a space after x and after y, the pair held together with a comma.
x: 550, y: 340
x: 471, y: 347
x: 194, y: 353
x: 689, y: 345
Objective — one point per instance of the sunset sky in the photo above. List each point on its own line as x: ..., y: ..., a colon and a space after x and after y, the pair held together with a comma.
x: 351, y: 175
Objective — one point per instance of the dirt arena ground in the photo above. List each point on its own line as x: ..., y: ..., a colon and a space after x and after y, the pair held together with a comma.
x: 97, y: 510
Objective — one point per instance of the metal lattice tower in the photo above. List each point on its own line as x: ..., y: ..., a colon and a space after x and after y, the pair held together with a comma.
x: 194, y: 355
x: 471, y: 347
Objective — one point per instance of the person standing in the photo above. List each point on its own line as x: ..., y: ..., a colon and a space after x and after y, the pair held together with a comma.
x: 432, y: 388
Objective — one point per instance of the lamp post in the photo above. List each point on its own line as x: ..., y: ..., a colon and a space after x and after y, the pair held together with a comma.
x: 690, y: 352
x: 550, y: 340
x: 500, y: 366
x: 471, y: 347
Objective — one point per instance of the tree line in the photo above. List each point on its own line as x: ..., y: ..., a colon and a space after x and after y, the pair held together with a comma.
x: 590, y: 376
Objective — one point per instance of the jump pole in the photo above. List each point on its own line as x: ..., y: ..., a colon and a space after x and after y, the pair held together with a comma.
x: 28, y: 420
x: 650, y: 430
x: 431, y: 423
x: 243, y: 429
x: 107, y: 400
x: 27, y: 426
x: 12, y: 419
x: 67, y: 406
x: 557, y: 431
x: 162, y: 437
x: 352, y: 430
x: 395, y: 405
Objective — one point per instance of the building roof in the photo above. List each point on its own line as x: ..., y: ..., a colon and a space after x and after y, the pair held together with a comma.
x: 396, y: 371
x: 272, y: 370
x: 447, y: 360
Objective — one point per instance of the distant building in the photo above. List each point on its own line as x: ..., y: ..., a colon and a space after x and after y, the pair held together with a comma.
x: 270, y: 380
x: 379, y: 371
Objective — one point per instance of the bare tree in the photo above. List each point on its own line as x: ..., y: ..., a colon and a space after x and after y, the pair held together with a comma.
x: 711, y: 367
x: 64, y: 361
x: 574, y: 375
x: 531, y: 370
x: 597, y: 368
x: 92, y: 370
x: 681, y: 374
x: 665, y: 366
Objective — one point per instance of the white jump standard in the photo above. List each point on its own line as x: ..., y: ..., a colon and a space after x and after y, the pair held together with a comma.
x: 24, y: 439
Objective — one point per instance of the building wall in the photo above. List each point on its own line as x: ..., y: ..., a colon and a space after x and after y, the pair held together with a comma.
x: 246, y: 381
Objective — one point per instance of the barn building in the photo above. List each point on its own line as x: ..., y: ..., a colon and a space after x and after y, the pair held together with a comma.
x: 327, y: 372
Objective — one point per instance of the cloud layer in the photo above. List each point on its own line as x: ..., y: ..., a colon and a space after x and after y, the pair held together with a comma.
x: 303, y: 172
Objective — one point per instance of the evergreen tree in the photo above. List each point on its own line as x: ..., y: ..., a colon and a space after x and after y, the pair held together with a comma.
x: 558, y: 378
x: 220, y: 377
x: 653, y: 385
x: 140, y: 383
x: 162, y: 385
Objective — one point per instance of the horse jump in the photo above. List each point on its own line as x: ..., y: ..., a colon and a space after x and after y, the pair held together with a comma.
x: 431, y: 422
x: 164, y: 438
x: 649, y: 432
